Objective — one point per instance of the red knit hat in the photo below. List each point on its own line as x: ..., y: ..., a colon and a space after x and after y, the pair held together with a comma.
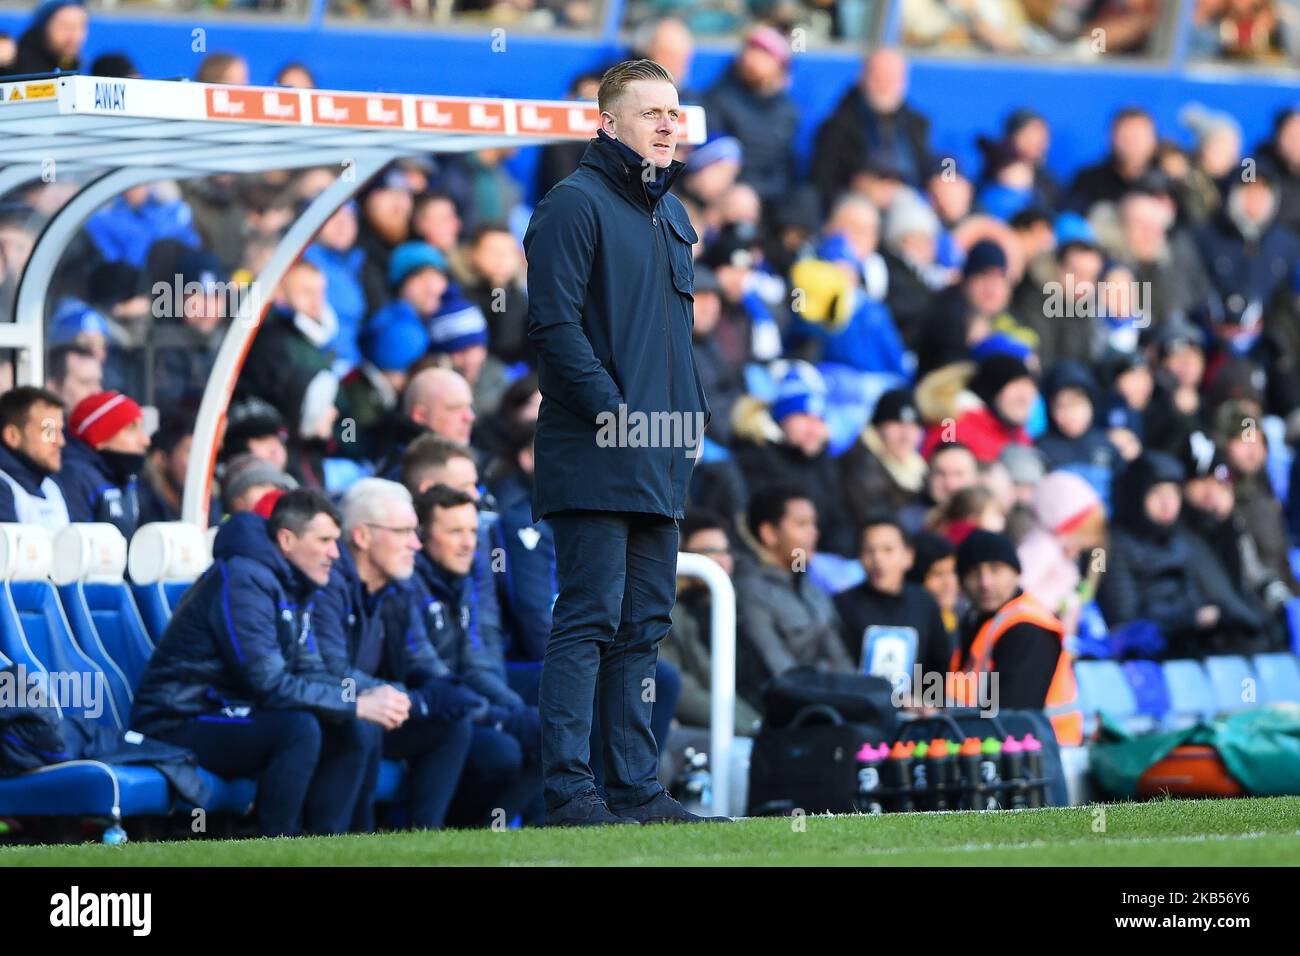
x: 266, y: 504
x: 99, y: 417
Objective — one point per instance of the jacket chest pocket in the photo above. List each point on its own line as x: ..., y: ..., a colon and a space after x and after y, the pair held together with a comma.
x: 681, y: 237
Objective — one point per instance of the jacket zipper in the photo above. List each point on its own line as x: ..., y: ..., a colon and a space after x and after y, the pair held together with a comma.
x: 668, y: 330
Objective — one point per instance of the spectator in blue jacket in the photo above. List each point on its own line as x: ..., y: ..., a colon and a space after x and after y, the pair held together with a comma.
x: 238, y: 679
x: 507, y: 739
x: 417, y: 280
x: 336, y: 254
x: 102, y: 460
x: 528, y: 587
x: 126, y: 228
x: 31, y: 453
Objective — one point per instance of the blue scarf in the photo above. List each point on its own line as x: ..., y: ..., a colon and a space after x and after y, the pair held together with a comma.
x: 655, y: 187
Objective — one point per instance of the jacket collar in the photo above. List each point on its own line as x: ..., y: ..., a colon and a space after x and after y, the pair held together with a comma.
x: 605, y: 155
x: 442, y: 584
x: 21, y: 469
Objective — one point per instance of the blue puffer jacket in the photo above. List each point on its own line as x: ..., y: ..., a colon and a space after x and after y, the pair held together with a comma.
x: 379, y: 638
x: 528, y: 587
x: 124, y: 233
x: 448, y: 601
x: 242, y: 637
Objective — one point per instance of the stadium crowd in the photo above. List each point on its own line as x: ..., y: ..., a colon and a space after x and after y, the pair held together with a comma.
x: 933, y: 390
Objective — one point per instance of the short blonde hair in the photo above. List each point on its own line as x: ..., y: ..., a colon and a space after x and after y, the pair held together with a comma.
x: 616, y: 79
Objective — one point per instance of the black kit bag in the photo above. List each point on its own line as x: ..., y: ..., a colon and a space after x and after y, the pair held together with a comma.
x: 805, y: 754
x: 857, y: 698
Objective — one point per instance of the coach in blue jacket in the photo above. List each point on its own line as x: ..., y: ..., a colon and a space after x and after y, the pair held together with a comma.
x: 238, y: 679
x: 610, y: 281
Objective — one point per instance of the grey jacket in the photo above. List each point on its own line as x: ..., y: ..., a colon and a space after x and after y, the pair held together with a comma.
x: 687, y: 648
x: 785, y: 620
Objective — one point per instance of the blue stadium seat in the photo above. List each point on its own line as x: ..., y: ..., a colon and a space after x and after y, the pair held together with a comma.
x: 227, y: 796
x: 99, y: 614
x: 1191, y: 696
x: 1149, y: 689
x: 35, y: 631
x: 87, y: 788
x: 156, y: 602
x: 1279, y: 678
x: 1103, y: 688
x: 1233, y: 681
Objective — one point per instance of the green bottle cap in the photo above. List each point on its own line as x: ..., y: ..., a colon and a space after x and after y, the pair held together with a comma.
x: 991, y: 746
x: 954, y: 748
x: 922, y: 750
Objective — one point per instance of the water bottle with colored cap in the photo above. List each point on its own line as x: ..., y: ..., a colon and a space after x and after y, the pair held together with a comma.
x: 869, y: 759
x: 968, y: 756
x: 921, y: 775
x: 991, y: 772
x: 898, y: 775
x: 1033, y: 748
x: 940, y: 773
x: 1013, y: 772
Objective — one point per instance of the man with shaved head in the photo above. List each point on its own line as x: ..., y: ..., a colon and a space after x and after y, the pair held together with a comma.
x: 669, y: 43
x: 436, y: 400
x: 872, y: 121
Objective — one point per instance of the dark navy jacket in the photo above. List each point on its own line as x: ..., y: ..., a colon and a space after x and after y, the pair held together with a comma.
x: 611, y: 286
x: 377, y: 638
x: 92, y: 491
x: 241, y: 637
x: 528, y: 586
x: 447, y: 603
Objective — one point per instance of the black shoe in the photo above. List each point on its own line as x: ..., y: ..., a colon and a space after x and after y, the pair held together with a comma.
x: 585, y: 809
x: 661, y: 808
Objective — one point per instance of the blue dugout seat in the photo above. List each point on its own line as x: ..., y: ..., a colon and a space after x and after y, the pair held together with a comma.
x: 1279, y: 678
x: 1233, y: 680
x: 1191, y: 696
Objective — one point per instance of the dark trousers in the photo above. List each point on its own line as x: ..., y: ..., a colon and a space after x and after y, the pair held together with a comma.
x: 668, y: 687
x: 281, y: 748
x: 435, y: 752
x: 617, y: 583
x: 348, y: 750
x: 491, y: 783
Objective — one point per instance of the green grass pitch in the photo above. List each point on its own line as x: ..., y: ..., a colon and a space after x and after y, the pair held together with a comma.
x: 1247, y: 832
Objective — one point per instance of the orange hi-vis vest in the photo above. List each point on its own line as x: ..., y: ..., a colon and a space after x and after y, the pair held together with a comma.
x: 1062, y: 704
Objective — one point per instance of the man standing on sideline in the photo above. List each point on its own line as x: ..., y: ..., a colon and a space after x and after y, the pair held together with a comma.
x: 611, y: 285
